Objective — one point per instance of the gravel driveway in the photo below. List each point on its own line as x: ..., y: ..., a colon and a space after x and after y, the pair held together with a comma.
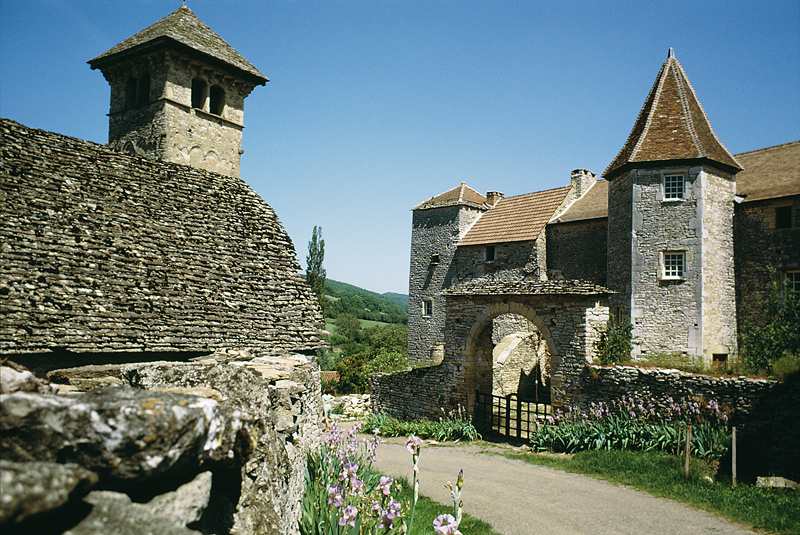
x: 522, y: 499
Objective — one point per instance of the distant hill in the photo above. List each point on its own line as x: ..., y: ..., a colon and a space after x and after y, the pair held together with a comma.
x: 346, y: 298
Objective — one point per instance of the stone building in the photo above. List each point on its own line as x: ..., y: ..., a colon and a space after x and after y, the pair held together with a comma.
x: 679, y: 237
x: 177, y: 94
x: 109, y: 256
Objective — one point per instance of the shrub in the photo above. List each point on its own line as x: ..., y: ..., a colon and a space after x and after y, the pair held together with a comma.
x: 616, y: 342
x: 453, y: 426
x: 760, y: 346
x: 787, y: 368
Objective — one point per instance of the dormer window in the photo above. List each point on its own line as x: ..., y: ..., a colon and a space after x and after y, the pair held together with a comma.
x: 216, y: 99
x: 673, y: 187
x: 198, y: 93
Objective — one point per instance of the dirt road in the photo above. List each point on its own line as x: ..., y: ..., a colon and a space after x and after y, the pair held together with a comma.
x: 523, y: 499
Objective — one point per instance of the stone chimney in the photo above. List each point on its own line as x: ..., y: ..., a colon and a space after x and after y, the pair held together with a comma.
x: 492, y: 197
x: 582, y: 179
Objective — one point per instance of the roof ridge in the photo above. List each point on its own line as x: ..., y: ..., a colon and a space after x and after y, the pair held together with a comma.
x: 656, y: 92
x: 687, y: 114
x: 778, y: 146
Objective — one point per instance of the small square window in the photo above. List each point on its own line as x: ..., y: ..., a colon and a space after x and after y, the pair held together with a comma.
x: 783, y: 217
x: 673, y: 186
x: 793, y: 280
x: 673, y: 265
x: 427, y: 308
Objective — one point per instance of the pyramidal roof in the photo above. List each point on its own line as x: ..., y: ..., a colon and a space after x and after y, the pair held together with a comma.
x: 460, y: 195
x: 671, y: 126
x: 183, y: 27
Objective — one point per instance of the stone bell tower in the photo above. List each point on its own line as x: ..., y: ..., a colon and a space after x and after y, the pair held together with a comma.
x: 177, y: 94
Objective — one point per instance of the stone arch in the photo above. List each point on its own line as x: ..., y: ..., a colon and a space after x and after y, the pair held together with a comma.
x: 474, y: 351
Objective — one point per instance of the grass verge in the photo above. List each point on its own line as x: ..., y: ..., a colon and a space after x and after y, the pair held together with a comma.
x: 773, y: 510
x: 428, y: 510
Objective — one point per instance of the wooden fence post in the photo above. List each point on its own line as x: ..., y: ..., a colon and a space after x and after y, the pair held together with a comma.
x: 733, y: 456
x: 688, y: 448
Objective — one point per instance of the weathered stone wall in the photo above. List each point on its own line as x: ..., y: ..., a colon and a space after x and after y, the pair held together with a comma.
x: 577, y: 250
x: 104, y: 251
x: 620, y: 223
x: 434, y: 232
x: 613, y: 383
x: 694, y: 314
x: 760, y: 246
x: 471, y: 263
x: 256, y: 419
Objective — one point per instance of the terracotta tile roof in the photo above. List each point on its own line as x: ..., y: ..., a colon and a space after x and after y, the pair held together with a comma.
x: 328, y: 376
x: 516, y: 283
x: 519, y: 218
x: 592, y: 205
x: 672, y: 125
x: 769, y: 173
x: 460, y: 195
x: 181, y: 26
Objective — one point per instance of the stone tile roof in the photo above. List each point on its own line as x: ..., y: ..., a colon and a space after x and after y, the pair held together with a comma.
x: 103, y: 251
x: 769, y: 173
x: 461, y: 195
x: 591, y: 205
x: 515, y: 282
x: 672, y: 125
x: 513, y: 219
x: 183, y: 27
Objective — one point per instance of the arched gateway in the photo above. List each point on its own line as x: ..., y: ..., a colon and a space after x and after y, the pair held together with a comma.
x: 567, y: 314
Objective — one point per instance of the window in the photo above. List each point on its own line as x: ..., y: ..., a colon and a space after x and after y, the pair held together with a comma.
x: 673, y: 265
x: 673, y: 187
x: 130, y: 93
x: 435, y: 259
x: 198, y: 93
x: 783, y: 217
x: 427, y: 308
x: 489, y: 253
x: 793, y: 280
x: 216, y: 100
x: 143, y: 91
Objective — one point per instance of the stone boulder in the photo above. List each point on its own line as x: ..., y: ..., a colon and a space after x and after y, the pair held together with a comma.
x: 121, y: 433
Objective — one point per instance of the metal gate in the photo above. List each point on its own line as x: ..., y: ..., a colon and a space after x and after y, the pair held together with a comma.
x: 509, y: 416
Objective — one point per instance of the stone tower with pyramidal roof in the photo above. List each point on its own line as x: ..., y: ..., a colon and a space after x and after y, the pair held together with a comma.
x: 670, y: 226
x: 177, y: 94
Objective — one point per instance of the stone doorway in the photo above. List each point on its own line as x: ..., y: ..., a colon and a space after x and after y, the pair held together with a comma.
x: 520, y: 359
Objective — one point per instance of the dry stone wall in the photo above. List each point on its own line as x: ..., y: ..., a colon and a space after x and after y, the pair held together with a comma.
x: 104, y: 251
x: 214, y: 446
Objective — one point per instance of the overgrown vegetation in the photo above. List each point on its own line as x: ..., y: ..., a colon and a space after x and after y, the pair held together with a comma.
x: 777, y: 337
x: 774, y: 510
x: 452, y: 426
x: 345, y: 298
x: 616, y: 342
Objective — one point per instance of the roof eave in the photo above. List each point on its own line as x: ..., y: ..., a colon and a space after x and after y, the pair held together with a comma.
x: 166, y: 42
x: 667, y: 163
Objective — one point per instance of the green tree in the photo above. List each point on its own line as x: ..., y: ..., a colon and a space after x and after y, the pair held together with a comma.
x: 760, y: 346
x: 348, y: 326
x: 315, y: 273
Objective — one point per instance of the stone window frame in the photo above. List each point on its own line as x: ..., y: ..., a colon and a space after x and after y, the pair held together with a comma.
x: 216, y: 99
x: 674, y: 197
x: 668, y: 255
x: 427, y: 308
x: 199, y: 93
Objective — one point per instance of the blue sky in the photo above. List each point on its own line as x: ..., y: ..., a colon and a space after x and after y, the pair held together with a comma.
x: 375, y: 106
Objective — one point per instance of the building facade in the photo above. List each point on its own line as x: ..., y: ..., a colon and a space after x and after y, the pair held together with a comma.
x: 684, y: 235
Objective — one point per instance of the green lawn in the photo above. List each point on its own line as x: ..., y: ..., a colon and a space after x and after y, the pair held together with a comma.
x: 331, y: 327
x: 773, y: 510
